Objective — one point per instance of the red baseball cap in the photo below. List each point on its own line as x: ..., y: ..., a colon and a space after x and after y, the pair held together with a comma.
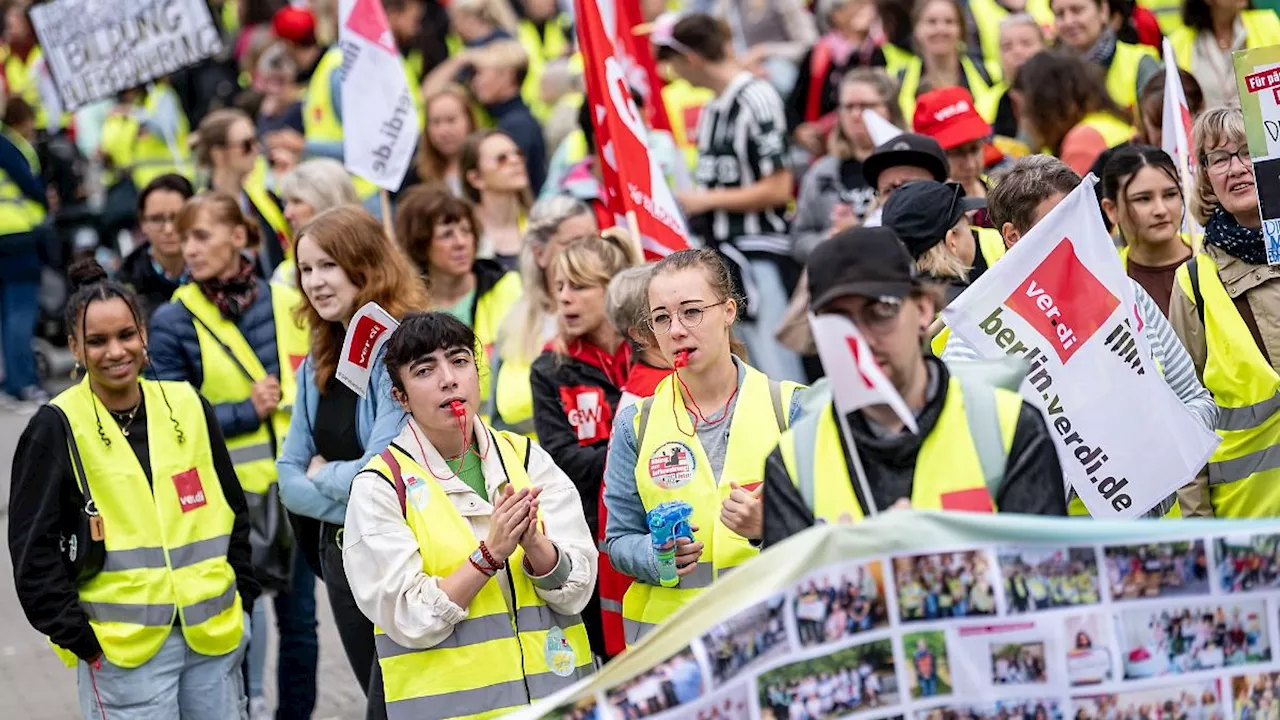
x: 948, y: 116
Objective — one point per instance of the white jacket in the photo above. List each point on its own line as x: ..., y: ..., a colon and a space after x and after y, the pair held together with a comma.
x: 384, y: 567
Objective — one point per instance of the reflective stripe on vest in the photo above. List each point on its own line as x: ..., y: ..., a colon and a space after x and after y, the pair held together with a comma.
x: 950, y: 462
x: 909, y: 79
x: 1261, y: 29
x: 1122, y: 75
x: 509, y: 658
x: 1244, y: 472
x: 662, y: 431
x: 230, y: 367
x: 163, y: 557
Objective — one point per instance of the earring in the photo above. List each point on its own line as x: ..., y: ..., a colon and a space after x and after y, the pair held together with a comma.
x: 75, y: 370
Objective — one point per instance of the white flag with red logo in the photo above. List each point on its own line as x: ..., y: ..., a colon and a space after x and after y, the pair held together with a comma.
x: 856, y: 378
x: 633, y: 178
x: 1061, y: 301
x: 1175, y: 136
x: 879, y: 127
x: 379, y: 114
x: 368, y: 331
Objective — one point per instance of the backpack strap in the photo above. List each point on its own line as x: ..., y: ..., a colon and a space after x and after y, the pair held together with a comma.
x: 779, y: 413
x: 397, y: 479
x: 1193, y: 274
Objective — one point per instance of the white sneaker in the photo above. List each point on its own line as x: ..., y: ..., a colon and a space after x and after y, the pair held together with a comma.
x: 258, y: 709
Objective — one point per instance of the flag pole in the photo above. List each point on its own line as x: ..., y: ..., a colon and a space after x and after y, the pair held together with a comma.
x: 857, y: 461
x: 384, y: 199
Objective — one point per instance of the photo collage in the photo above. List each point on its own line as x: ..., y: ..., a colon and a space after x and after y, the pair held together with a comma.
x: 1181, y: 630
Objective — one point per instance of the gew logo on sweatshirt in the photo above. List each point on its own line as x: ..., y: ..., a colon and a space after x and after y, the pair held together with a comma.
x: 588, y: 412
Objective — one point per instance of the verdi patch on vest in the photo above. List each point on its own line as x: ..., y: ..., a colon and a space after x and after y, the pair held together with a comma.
x: 190, y: 490
x: 672, y: 465
x: 559, y: 653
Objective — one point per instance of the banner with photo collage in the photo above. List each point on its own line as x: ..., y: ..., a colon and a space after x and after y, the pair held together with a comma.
x: 942, y: 616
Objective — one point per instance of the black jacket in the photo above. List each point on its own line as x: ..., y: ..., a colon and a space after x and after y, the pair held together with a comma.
x: 45, y: 500
x: 153, y: 288
x: 574, y: 400
x: 1032, y: 480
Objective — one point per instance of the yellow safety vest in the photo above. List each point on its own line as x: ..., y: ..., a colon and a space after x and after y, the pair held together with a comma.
x: 1114, y: 131
x: 988, y: 14
x: 1122, y: 76
x: 760, y: 416
x: 1244, y: 472
x: 22, y: 83
x: 950, y: 459
x: 991, y: 245
x: 684, y: 104
x: 895, y: 58
x: 495, y: 660
x: 18, y: 213
x: 552, y: 44
x: 909, y: 79
x: 142, y: 154
x: 1261, y: 29
x: 1168, y: 14
x: 514, y: 396
x: 320, y: 119
x: 230, y: 369
x: 166, y: 558
x: 255, y: 187
x: 491, y: 310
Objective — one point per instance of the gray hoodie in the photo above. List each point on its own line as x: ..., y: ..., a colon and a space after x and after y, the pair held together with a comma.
x: 820, y: 191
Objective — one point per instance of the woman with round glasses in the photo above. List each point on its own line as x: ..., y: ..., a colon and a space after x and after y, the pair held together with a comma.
x: 701, y: 438
x: 155, y: 268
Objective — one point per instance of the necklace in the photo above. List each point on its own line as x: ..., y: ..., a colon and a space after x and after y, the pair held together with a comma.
x: 125, y: 419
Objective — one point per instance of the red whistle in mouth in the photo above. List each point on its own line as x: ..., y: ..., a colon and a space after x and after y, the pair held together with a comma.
x: 459, y: 410
x: 682, y: 359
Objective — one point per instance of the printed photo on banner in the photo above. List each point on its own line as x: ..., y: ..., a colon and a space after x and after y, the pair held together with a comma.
x: 584, y: 709
x: 1194, y: 701
x: 754, y: 635
x: 838, y: 602
x: 847, y: 681
x: 1040, y: 709
x: 1017, y: 663
x: 1045, y: 578
x: 1248, y: 562
x: 928, y: 668
x: 1089, y: 640
x: 671, y: 684
x: 1166, y: 640
x: 944, y: 585
x: 732, y: 702
x: 1255, y: 697
x: 1157, y: 570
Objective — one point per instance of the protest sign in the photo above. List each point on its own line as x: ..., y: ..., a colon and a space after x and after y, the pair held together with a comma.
x: 944, y: 615
x: 635, y: 185
x: 379, y: 115
x: 1060, y: 300
x: 368, y: 331
x: 1258, y: 82
x: 96, y: 49
x: 1175, y: 137
x: 856, y: 379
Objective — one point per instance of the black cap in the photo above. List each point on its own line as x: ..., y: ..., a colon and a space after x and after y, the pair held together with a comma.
x: 907, y: 149
x: 871, y: 262
x: 922, y: 212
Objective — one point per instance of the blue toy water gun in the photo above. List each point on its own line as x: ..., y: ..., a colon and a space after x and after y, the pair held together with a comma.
x: 667, y: 522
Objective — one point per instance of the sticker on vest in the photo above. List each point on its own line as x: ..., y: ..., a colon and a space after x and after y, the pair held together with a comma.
x: 190, y: 491
x: 416, y: 492
x: 672, y: 465
x: 559, y: 653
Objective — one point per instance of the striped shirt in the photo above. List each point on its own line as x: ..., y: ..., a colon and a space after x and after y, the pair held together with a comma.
x: 742, y: 138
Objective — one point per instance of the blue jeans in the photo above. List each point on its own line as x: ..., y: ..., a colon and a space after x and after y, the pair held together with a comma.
x: 299, y: 647
x: 177, y: 682
x: 19, y: 310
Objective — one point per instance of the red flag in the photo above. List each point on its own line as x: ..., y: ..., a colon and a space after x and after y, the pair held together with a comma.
x: 634, y: 182
x: 637, y: 46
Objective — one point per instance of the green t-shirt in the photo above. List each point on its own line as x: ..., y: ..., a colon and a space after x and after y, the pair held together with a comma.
x: 470, y: 471
x: 462, y: 310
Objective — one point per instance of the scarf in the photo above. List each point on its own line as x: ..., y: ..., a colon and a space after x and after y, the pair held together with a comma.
x: 1246, y: 244
x: 234, y: 295
x: 1104, y: 48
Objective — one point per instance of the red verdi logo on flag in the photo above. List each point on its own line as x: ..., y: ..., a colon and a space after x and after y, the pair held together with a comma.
x: 369, y: 21
x: 1063, y: 301
x: 366, y: 335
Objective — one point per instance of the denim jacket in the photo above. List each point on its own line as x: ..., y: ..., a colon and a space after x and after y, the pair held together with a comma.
x: 627, y: 534
x: 379, y: 420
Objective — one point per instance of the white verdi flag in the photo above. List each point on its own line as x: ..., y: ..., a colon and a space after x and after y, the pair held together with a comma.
x: 368, y: 331
x: 1175, y: 136
x: 1060, y: 299
x: 855, y: 377
x: 379, y: 115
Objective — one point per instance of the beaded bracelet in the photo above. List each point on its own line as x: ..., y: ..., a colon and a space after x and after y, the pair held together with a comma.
x: 483, y: 570
x: 489, y: 558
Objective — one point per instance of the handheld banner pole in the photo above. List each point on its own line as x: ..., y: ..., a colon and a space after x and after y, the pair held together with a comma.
x: 857, y: 462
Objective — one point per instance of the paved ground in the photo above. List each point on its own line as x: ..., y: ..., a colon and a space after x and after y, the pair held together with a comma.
x: 34, y: 685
